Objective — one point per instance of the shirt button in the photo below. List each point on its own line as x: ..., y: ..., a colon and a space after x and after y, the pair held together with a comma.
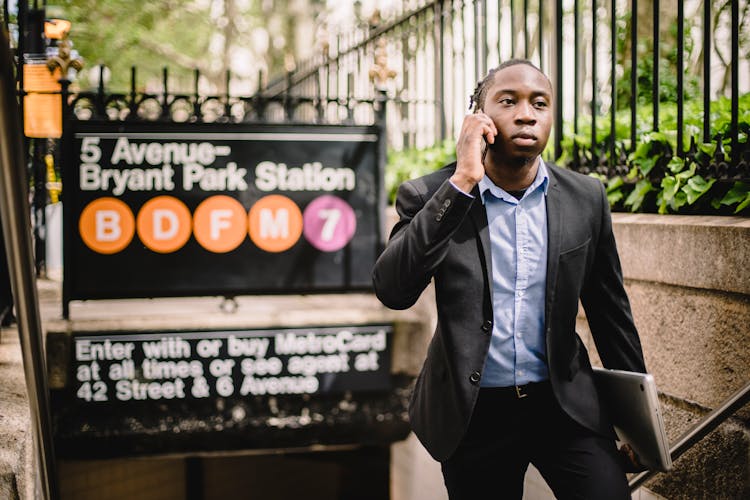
x: 520, y: 293
x: 487, y: 326
x: 518, y: 334
x: 474, y: 377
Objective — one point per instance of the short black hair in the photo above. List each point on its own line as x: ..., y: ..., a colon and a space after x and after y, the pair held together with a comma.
x: 476, y: 100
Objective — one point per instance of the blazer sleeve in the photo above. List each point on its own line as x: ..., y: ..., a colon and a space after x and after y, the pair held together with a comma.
x: 419, y: 241
x: 606, y: 303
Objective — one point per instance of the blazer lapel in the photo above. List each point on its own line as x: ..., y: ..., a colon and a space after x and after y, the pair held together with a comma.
x: 479, y: 217
x: 554, y: 235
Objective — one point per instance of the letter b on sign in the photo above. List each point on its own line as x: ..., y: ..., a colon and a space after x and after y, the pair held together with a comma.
x: 106, y: 225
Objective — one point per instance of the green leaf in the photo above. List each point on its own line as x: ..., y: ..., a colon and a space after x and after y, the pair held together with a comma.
x: 739, y: 192
x: 676, y: 164
x: 670, y: 185
x: 638, y: 195
x: 614, y: 184
x: 685, y: 175
x: 614, y: 197
x: 700, y: 184
x: 696, y: 187
x: 642, y: 151
x: 647, y: 164
x: 679, y: 200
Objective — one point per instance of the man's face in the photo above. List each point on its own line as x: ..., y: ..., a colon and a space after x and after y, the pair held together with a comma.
x: 519, y: 102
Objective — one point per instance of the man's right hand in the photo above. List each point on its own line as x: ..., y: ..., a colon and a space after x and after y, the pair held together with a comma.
x: 476, y: 128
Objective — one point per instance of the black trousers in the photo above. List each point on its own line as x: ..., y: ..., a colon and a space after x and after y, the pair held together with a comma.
x: 506, y: 433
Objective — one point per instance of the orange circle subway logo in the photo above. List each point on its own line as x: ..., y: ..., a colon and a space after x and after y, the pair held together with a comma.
x: 275, y: 223
x: 106, y: 225
x: 164, y: 224
x: 220, y: 224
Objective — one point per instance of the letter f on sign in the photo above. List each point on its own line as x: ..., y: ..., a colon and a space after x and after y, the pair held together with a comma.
x: 219, y: 220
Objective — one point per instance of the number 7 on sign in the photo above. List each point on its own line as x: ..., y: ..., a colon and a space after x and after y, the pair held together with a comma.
x: 331, y: 217
x: 329, y: 223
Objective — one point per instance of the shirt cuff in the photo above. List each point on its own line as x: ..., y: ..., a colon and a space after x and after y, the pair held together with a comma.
x: 460, y: 190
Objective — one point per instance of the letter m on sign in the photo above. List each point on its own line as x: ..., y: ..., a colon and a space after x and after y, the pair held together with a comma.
x: 274, y: 224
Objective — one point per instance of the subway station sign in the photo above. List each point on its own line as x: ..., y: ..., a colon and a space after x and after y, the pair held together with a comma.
x: 169, y: 209
x: 164, y: 366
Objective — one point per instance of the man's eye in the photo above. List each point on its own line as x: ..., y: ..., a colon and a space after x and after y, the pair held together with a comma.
x: 506, y: 100
x: 540, y: 104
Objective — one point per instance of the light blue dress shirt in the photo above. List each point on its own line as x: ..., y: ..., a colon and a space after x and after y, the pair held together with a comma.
x: 518, y: 242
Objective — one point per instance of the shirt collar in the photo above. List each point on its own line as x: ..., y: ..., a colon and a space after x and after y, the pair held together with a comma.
x: 541, y: 180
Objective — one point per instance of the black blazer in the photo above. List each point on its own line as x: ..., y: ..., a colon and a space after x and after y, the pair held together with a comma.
x: 443, y: 235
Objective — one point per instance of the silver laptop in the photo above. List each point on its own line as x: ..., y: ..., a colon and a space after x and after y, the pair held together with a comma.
x: 633, y: 405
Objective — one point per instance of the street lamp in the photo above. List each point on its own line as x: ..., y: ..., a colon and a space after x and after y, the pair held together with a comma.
x: 46, y: 83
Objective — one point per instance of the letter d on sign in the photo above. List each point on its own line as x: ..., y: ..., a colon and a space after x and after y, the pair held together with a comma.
x: 106, y: 225
x: 164, y: 224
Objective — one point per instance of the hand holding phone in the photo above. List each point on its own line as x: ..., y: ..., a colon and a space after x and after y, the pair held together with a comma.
x: 477, y: 133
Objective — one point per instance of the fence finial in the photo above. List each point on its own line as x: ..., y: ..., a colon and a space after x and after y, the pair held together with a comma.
x: 64, y: 59
x: 380, y: 73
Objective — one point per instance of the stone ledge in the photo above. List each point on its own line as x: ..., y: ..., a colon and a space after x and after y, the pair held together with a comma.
x: 708, y: 252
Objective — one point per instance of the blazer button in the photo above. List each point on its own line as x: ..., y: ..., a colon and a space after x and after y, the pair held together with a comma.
x: 474, y: 377
x: 487, y: 326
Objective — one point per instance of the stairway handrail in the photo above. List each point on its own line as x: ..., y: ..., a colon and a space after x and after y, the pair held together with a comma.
x: 691, y: 437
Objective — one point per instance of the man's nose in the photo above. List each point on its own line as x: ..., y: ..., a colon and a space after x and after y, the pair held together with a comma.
x: 525, y: 112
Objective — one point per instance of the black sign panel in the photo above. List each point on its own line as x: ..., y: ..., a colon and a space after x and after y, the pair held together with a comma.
x: 166, y: 209
x: 163, y: 366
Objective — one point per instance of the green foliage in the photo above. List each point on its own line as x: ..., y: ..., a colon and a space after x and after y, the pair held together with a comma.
x: 659, y: 180
x: 147, y: 34
x: 211, y: 36
x: 739, y: 194
x: 410, y: 163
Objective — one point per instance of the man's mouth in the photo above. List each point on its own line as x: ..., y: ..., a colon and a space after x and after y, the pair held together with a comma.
x: 524, y: 139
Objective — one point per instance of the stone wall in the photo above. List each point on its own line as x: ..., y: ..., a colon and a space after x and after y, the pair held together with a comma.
x: 688, y: 278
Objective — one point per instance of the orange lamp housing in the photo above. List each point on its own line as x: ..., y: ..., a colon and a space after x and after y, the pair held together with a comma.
x: 42, y: 102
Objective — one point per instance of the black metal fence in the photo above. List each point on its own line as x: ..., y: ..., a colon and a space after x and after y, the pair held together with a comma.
x: 620, y: 69
x: 178, y: 106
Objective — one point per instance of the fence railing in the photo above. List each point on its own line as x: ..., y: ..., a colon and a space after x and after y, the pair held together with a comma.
x: 608, y: 60
x: 176, y: 106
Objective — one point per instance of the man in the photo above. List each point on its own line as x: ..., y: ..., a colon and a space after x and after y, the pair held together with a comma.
x: 512, y: 244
